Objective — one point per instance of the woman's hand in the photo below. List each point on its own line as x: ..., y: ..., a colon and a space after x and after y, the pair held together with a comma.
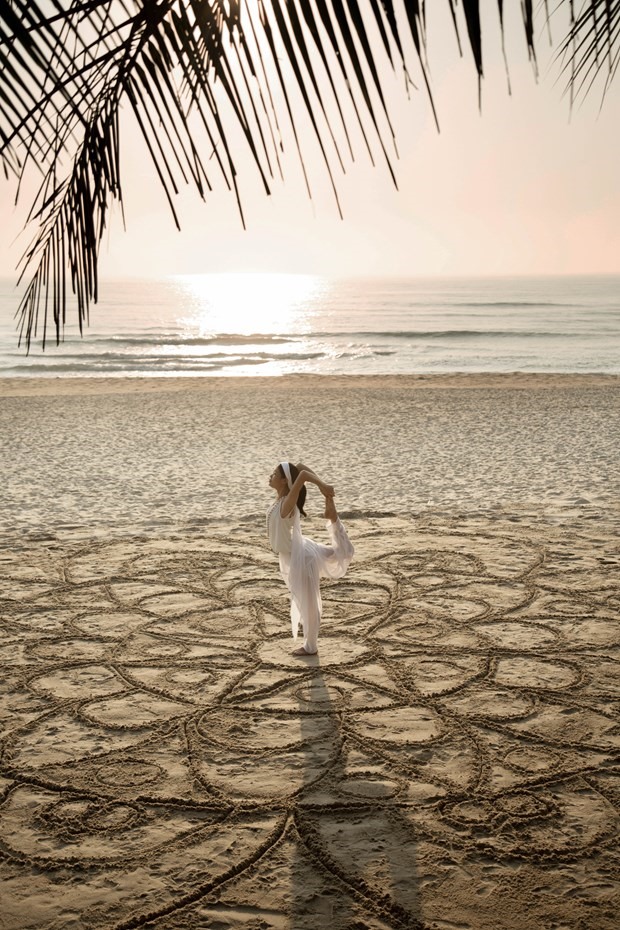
x: 326, y: 490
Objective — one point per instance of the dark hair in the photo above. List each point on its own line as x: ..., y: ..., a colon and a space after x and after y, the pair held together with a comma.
x: 301, y: 497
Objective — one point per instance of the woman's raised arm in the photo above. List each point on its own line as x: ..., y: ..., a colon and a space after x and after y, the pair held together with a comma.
x: 305, y: 475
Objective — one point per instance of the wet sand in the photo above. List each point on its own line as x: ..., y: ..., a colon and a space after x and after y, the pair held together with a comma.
x: 450, y: 758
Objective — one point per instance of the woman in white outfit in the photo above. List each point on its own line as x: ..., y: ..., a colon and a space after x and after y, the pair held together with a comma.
x: 303, y: 561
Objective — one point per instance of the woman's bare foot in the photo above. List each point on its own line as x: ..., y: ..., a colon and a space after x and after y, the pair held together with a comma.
x: 330, y: 509
x: 302, y: 652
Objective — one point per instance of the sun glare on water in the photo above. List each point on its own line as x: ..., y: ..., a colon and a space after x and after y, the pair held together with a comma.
x: 250, y: 303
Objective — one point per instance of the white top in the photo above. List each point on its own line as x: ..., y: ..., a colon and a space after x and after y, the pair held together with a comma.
x: 279, y: 528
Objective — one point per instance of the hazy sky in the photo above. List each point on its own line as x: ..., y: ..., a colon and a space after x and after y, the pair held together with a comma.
x: 522, y: 187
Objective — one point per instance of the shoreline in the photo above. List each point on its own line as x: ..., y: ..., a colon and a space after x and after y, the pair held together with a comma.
x: 33, y: 385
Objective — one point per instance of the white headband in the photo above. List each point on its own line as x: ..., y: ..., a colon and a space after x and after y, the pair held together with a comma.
x: 287, y: 474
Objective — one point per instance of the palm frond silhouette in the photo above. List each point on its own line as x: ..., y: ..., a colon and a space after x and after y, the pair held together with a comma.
x: 196, y: 74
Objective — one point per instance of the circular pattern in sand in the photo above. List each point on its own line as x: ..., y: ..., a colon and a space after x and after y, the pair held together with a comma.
x: 184, y: 769
x: 319, y: 696
x: 109, y: 817
x: 257, y: 731
x: 369, y: 787
x: 526, y: 672
x: 512, y: 635
x: 129, y: 772
x: 401, y: 725
x: 470, y: 813
x: 532, y: 759
x: 490, y: 702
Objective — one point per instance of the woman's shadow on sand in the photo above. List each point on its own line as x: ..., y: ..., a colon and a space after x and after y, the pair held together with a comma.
x: 355, y: 852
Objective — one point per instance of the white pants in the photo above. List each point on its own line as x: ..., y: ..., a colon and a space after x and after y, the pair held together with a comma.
x: 302, y: 570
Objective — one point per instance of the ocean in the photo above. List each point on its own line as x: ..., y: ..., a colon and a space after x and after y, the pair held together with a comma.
x: 276, y: 324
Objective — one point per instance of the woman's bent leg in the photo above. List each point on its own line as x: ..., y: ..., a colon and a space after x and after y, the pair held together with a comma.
x: 335, y: 559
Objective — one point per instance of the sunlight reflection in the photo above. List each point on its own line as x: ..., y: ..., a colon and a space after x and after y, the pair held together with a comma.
x: 251, y: 303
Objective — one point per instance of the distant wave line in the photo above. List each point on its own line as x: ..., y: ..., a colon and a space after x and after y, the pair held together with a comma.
x: 242, y: 339
x: 110, y: 361
x: 510, y: 303
x: 214, y: 339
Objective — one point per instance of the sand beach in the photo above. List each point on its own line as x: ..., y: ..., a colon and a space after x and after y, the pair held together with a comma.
x: 449, y: 760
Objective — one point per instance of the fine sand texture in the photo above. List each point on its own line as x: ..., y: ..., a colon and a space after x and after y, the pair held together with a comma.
x: 127, y: 454
x: 450, y: 758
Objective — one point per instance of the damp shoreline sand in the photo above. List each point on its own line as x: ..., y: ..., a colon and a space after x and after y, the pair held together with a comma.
x: 450, y: 757
x: 28, y: 386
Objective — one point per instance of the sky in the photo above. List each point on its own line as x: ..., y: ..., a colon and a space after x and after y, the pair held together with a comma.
x: 521, y: 185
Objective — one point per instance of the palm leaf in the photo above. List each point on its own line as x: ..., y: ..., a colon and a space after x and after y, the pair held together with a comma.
x: 195, y: 73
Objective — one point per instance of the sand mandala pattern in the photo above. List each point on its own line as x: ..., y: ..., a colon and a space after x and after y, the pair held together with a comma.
x: 449, y: 760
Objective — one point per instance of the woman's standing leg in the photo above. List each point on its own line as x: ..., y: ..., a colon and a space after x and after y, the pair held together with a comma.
x: 309, y: 600
x: 311, y: 626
